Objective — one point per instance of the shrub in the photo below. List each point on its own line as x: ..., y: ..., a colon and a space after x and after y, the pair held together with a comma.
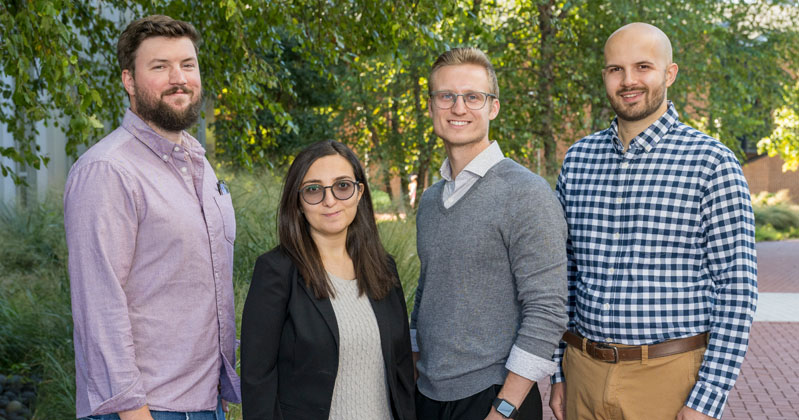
x: 776, y: 218
x: 781, y: 217
x: 35, y: 315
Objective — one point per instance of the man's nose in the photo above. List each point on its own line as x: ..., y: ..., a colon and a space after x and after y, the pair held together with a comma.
x: 459, y: 107
x: 629, y: 79
x: 176, y: 76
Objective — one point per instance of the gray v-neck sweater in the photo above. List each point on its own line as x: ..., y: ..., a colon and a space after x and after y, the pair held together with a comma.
x: 493, y: 275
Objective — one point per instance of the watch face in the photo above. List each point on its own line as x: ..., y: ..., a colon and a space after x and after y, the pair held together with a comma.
x: 505, y: 408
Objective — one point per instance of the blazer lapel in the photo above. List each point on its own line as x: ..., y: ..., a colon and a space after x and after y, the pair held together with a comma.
x: 381, y: 310
x: 324, y: 307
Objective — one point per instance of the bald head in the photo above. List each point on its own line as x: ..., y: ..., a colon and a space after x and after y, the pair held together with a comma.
x: 640, y: 33
x: 638, y: 71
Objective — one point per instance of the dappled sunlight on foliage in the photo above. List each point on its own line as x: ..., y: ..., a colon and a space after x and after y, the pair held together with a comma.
x: 784, y: 140
x: 776, y: 217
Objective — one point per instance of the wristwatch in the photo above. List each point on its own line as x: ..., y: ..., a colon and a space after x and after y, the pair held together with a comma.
x: 505, y: 408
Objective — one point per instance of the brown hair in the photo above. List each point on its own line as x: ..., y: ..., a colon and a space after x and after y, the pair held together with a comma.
x: 148, y: 27
x: 372, y: 269
x: 467, y: 55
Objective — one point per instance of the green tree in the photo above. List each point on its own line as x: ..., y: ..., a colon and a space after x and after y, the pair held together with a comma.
x: 53, y: 57
x: 283, y: 74
x: 59, y: 56
x: 784, y: 140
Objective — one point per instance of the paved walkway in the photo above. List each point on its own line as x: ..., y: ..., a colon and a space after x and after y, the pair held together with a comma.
x: 768, y: 387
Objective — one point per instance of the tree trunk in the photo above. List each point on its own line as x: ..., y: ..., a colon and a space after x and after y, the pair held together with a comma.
x: 396, y: 135
x: 426, y: 144
x: 382, y: 172
x: 546, y: 80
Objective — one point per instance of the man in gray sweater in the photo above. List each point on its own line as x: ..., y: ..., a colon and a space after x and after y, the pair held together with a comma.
x: 490, y: 307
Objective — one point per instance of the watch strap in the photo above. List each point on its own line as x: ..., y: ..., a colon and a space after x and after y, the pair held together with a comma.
x: 505, y: 408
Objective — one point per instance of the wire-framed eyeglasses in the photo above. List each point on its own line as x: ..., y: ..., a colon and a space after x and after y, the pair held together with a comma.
x: 341, y: 190
x: 473, y: 100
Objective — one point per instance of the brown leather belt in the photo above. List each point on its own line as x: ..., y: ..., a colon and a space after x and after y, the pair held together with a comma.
x: 613, y: 354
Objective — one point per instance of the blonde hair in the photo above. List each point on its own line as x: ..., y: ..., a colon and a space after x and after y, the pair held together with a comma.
x: 461, y: 56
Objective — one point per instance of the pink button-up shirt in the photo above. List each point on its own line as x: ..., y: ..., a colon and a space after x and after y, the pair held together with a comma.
x: 150, y: 236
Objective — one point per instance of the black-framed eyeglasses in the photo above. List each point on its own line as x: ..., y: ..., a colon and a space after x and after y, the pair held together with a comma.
x: 342, y: 190
x: 473, y: 100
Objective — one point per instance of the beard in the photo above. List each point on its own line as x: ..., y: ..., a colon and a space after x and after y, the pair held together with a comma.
x: 153, y: 109
x: 640, y: 111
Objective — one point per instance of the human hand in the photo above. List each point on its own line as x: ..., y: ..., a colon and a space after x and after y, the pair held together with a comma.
x: 225, y: 408
x: 557, y: 400
x: 494, y: 415
x: 688, y: 413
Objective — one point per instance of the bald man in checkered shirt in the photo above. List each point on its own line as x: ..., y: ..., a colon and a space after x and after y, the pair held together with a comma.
x: 662, y: 264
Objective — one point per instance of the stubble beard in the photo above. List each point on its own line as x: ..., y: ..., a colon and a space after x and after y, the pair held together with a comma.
x: 651, y: 105
x: 154, y: 110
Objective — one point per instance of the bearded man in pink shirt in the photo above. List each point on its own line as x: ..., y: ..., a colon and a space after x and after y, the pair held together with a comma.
x: 150, y: 232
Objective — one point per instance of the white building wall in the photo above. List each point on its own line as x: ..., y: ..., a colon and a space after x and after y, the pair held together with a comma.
x: 50, y: 179
x: 7, y: 187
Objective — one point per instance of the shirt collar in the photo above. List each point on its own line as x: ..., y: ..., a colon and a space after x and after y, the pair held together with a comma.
x: 481, y: 163
x: 158, y: 144
x: 650, y: 137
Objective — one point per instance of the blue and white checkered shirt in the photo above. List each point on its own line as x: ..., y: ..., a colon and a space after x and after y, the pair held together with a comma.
x: 661, y: 246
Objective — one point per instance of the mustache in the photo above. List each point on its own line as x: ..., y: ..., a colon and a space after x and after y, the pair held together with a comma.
x: 176, y: 89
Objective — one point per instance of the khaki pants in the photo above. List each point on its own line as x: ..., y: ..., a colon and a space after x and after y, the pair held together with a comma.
x: 650, y: 389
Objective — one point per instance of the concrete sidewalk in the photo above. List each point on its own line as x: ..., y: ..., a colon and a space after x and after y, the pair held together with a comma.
x: 768, y: 386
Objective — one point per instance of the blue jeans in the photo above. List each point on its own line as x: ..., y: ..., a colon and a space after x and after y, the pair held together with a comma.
x: 172, y: 415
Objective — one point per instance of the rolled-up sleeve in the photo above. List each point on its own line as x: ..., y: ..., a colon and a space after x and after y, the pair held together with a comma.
x: 101, y: 219
x: 537, y: 251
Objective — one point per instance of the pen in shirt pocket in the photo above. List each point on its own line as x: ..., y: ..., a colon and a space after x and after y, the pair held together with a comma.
x: 222, y: 187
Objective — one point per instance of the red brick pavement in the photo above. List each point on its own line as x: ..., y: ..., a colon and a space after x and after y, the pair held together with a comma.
x: 768, y: 386
x: 778, y: 266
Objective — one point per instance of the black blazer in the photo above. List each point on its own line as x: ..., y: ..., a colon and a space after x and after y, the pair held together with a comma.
x: 289, y: 346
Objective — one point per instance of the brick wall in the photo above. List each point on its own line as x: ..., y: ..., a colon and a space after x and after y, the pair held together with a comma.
x: 764, y: 173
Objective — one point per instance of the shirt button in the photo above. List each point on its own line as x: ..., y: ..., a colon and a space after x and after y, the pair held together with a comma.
x: 165, y: 158
x: 606, y: 306
x: 616, y: 236
x: 619, y: 200
x: 611, y: 271
x: 177, y: 149
x: 183, y: 169
x: 625, y: 164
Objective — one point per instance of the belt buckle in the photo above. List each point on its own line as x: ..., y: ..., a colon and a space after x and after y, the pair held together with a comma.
x: 615, y: 352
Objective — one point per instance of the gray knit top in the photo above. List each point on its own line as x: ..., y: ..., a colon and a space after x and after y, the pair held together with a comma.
x: 361, y: 391
x: 493, y: 275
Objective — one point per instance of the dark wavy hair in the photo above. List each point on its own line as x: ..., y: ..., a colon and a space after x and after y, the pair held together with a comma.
x: 374, y: 276
x: 148, y: 27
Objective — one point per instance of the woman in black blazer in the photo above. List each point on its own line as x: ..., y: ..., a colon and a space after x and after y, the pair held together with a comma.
x: 325, y: 329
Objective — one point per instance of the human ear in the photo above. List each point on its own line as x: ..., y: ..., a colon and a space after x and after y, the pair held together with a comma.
x: 494, y: 111
x: 128, y: 81
x: 671, y: 73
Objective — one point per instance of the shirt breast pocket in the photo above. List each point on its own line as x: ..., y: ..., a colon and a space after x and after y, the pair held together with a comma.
x: 225, y: 205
